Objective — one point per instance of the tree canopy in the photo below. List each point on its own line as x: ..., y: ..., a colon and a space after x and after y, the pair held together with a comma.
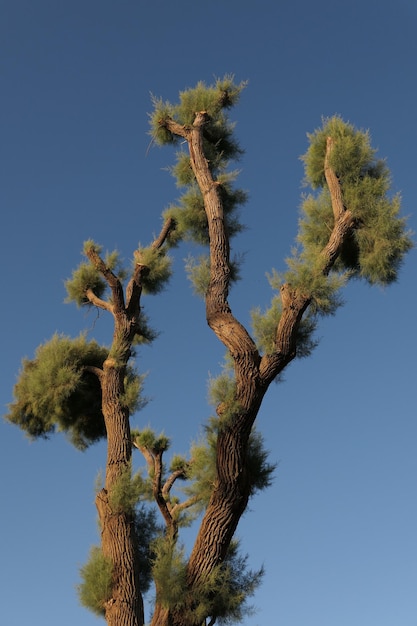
x: 350, y: 228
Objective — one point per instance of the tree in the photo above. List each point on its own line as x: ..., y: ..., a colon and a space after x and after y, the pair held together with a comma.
x: 350, y: 228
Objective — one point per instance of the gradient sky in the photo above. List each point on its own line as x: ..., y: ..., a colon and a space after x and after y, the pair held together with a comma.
x: 337, y: 530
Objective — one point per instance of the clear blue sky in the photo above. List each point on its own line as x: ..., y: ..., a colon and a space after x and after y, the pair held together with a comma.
x: 337, y: 530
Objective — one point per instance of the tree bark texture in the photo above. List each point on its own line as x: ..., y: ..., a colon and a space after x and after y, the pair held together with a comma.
x: 125, y: 607
x: 253, y: 373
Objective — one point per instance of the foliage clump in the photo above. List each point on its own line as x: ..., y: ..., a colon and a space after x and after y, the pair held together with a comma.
x: 59, y: 391
x: 222, y: 598
x: 220, y: 148
x: 56, y: 391
x: 96, y: 586
x: 61, y: 388
x: 373, y: 251
x: 147, y: 530
x: 158, y: 265
x: 126, y: 491
x: 87, y: 277
x: 379, y: 243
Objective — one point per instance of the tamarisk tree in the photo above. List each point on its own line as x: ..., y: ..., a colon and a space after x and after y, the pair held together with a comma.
x: 350, y: 228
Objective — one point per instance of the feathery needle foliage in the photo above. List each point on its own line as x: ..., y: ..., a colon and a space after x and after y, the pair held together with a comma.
x: 350, y: 227
x: 96, y: 586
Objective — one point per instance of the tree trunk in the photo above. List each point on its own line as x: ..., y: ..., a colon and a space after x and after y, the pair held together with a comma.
x: 125, y: 606
x: 253, y: 373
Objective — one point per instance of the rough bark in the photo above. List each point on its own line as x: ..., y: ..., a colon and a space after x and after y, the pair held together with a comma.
x: 253, y: 373
x: 118, y: 541
x: 125, y: 607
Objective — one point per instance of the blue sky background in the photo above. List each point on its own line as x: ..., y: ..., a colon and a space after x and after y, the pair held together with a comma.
x: 337, y: 530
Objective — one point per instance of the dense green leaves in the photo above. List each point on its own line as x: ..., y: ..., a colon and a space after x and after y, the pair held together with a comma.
x: 96, y: 586
x: 60, y: 389
x: 87, y: 277
x: 147, y: 439
x: 223, y: 596
x: 57, y: 390
x: 214, y: 100
x: 220, y: 147
x: 234, y: 584
x: 158, y: 266
x: 374, y: 249
x: 126, y: 491
x: 147, y: 531
x: 378, y: 244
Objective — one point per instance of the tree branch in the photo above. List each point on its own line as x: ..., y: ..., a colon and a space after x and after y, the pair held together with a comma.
x: 154, y: 461
x: 134, y: 290
x: 164, y: 234
x: 157, y: 491
x: 134, y: 286
x: 175, y: 128
x: 342, y: 229
x: 98, y: 302
x: 181, y: 506
x: 111, y: 279
x: 333, y: 182
x: 218, y: 312
x: 171, y: 480
x: 94, y: 370
x: 294, y: 303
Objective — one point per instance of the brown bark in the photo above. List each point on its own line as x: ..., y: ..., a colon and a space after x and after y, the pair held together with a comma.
x: 253, y: 373
x: 125, y: 606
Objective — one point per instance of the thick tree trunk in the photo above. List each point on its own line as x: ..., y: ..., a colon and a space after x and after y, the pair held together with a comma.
x: 253, y: 374
x: 125, y: 607
x: 118, y: 540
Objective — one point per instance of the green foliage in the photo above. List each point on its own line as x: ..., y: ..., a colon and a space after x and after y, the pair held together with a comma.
x: 202, y: 471
x: 265, y: 324
x: 230, y: 587
x: 147, y: 334
x: 305, y: 274
x: 132, y: 396
x: 382, y: 243
x: 377, y: 247
x: 190, y: 217
x: 159, y: 268
x: 374, y: 251
x: 147, y: 531
x: 96, y: 586
x: 214, y: 100
x: 351, y: 158
x: 220, y: 147
x: 126, y: 491
x: 260, y: 472
x: 179, y: 464
x: 86, y: 276
x: 147, y: 439
x: 224, y: 594
x: 55, y: 391
x: 198, y: 272
x: 169, y: 572
x: 162, y: 110
x: 222, y: 395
